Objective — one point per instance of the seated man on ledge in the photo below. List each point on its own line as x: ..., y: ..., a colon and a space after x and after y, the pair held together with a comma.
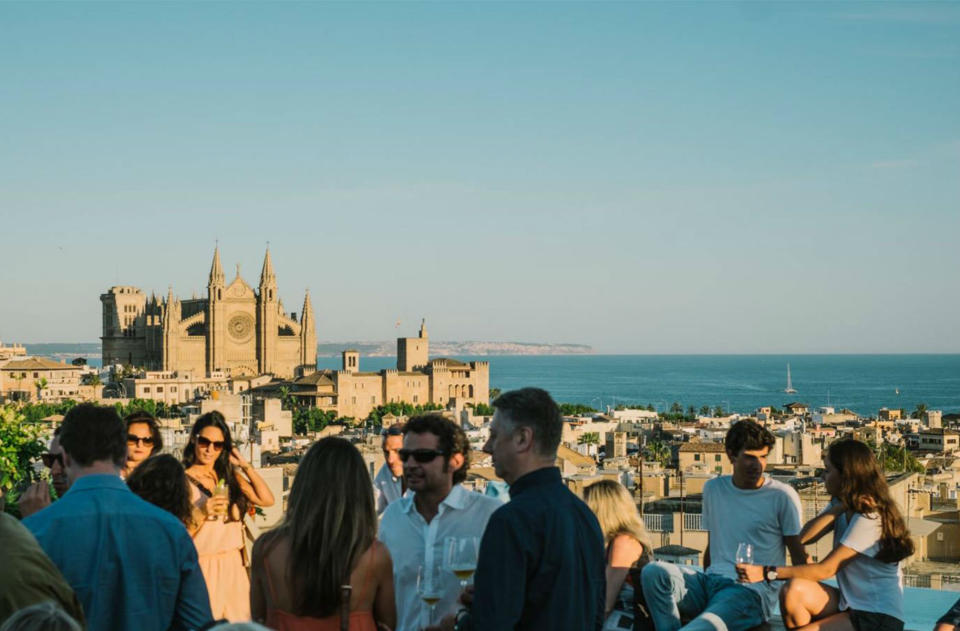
x: 743, y: 508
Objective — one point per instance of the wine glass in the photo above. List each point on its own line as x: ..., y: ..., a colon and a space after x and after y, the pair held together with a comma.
x: 745, y: 553
x: 461, y: 557
x: 429, y: 588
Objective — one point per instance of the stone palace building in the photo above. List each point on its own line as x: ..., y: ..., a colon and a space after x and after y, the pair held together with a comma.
x: 236, y: 330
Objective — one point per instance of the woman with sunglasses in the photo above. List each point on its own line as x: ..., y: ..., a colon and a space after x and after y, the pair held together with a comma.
x: 327, y: 539
x: 212, y: 464
x: 143, y: 440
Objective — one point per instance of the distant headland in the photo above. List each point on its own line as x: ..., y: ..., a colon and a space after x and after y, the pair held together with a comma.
x: 385, y: 348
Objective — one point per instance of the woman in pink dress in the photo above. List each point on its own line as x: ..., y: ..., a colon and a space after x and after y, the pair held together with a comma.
x: 213, y: 463
x: 328, y: 539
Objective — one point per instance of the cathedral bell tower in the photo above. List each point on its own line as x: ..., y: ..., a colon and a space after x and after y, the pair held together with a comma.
x: 216, y: 327
x: 267, y: 317
x: 308, y: 338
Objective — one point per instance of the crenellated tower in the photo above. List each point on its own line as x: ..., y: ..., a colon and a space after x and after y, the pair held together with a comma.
x: 268, y: 310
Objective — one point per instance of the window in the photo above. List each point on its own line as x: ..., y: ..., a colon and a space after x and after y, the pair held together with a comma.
x: 696, y: 457
x: 35, y: 375
x: 716, y: 458
x: 159, y: 388
x: 146, y: 390
x: 416, y: 398
x: 354, y: 400
x: 173, y: 388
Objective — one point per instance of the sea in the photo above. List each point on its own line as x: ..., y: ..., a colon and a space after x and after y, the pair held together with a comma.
x: 739, y: 383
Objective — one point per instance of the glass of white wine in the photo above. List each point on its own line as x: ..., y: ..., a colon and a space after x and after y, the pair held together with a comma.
x: 745, y: 553
x: 428, y: 588
x: 461, y: 557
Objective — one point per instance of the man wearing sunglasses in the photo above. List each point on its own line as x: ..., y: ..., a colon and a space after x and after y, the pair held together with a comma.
x: 37, y: 496
x: 131, y: 564
x: 416, y: 528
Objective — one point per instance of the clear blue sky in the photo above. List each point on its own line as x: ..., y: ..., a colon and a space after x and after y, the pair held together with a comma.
x: 647, y: 178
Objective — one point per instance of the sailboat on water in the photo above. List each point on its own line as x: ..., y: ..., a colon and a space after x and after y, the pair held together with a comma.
x: 789, y: 389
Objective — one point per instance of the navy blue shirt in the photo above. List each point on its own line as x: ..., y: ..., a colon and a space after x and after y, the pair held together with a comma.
x: 541, y: 563
x: 132, y: 565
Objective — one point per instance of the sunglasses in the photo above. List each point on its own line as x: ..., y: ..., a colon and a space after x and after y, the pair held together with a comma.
x: 136, y: 440
x: 203, y: 441
x: 50, y: 458
x: 420, y: 455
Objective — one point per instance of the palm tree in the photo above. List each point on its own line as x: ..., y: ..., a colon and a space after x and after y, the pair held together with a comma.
x: 704, y: 410
x: 588, y: 438
x: 659, y: 451
x: 919, y: 411
x: 41, y: 385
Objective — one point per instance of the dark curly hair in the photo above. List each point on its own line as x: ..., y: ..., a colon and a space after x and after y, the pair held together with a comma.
x: 747, y: 434
x: 451, y: 439
x: 162, y: 481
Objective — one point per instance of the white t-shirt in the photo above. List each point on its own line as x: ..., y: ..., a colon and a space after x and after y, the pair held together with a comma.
x: 867, y: 584
x: 762, y: 517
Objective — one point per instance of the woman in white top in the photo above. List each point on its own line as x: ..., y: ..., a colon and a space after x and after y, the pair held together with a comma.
x: 870, y: 540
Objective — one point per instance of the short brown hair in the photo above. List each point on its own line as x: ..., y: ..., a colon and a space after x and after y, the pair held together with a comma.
x: 450, y: 438
x: 747, y: 434
x: 91, y: 433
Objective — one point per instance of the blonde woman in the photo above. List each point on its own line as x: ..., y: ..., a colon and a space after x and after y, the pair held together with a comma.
x: 625, y: 537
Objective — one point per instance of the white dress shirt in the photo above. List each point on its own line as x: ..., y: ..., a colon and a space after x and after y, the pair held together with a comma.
x: 386, y: 489
x: 413, y: 542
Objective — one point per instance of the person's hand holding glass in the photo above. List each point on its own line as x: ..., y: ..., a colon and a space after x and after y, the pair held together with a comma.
x: 747, y: 572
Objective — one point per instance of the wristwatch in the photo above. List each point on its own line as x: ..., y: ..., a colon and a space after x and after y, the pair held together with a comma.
x: 769, y: 573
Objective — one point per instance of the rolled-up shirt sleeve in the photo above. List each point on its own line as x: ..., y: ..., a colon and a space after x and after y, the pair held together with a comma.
x: 501, y: 577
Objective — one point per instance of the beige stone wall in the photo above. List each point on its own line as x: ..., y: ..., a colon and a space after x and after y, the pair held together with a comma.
x: 409, y: 387
x: 61, y: 383
x: 358, y: 393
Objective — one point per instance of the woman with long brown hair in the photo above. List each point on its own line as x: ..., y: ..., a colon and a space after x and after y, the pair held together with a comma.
x: 870, y: 541
x: 224, y: 486
x: 626, y: 539
x: 327, y: 539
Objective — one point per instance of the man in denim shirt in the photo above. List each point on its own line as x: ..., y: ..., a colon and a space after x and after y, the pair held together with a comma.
x: 131, y: 564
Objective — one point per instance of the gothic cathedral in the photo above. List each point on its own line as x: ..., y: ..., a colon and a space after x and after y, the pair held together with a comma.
x: 236, y: 330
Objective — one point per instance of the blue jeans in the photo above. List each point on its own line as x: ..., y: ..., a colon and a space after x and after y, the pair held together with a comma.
x: 709, y: 601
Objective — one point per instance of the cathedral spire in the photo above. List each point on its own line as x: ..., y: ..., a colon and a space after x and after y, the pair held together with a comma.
x: 267, y: 277
x: 216, y: 270
x: 306, y: 315
x: 423, y: 328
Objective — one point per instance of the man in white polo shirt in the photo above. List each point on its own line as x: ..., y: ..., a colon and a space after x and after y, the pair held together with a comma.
x: 415, y: 528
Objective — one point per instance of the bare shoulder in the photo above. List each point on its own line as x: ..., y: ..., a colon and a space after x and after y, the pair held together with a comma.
x: 625, y: 550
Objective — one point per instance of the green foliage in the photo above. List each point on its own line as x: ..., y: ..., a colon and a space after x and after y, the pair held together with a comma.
x: 158, y: 409
x: 494, y: 393
x: 399, y: 409
x: 659, y: 451
x: 718, y: 411
x: 20, y: 445
x: 312, y: 419
x: 575, y: 409
x: 482, y: 409
x: 919, y: 411
x: 589, y: 438
x: 894, y: 458
x: 704, y: 410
